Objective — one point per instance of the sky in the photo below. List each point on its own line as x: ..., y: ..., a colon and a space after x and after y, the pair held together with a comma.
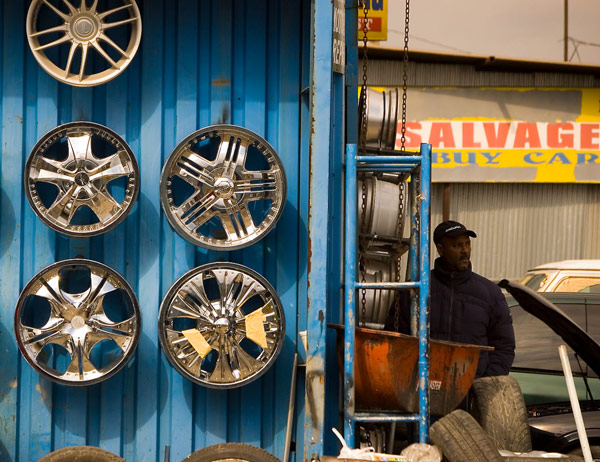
x: 523, y: 29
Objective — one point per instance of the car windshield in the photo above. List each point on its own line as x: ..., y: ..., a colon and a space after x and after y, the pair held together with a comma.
x: 535, y: 281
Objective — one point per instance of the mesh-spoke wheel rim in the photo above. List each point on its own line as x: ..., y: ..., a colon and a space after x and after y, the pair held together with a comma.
x: 221, y: 325
x: 81, y: 179
x: 77, y: 322
x: 81, y: 45
x: 223, y: 187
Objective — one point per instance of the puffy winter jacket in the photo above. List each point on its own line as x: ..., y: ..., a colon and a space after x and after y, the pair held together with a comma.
x: 468, y: 308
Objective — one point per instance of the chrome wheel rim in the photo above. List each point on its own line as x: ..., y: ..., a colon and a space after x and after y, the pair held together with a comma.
x: 378, y: 117
x: 75, y: 190
x: 83, y: 31
x: 377, y: 301
x: 223, y: 188
x: 382, y: 203
x: 77, y: 322
x: 221, y: 325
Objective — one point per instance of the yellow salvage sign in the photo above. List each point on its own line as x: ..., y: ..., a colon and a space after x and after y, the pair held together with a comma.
x: 198, y: 341
x: 377, y: 19
x: 508, y: 135
x: 255, y: 328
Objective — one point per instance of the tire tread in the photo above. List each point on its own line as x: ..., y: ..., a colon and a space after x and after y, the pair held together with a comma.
x: 81, y: 454
x: 462, y: 439
x: 225, y: 451
x: 501, y: 411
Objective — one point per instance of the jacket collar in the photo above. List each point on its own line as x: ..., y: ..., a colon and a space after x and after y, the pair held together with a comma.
x: 448, y: 276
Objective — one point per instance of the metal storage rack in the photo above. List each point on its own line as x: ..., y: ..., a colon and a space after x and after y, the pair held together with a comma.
x: 418, y: 165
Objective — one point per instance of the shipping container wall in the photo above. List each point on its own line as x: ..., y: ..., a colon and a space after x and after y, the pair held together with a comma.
x: 199, y: 63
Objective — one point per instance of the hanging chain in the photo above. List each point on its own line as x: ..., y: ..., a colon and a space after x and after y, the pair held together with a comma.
x: 400, y: 234
x: 363, y: 91
x: 363, y: 151
x: 405, y: 78
x: 362, y: 248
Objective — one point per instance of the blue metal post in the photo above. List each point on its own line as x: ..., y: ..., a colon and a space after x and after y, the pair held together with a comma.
x: 424, y: 293
x: 413, y: 255
x: 318, y: 225
x: 349, y: 282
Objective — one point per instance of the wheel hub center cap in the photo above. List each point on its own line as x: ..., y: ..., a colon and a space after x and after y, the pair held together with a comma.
x: 222, y: 325
x: 77, y: 322
x: 224, y: 188
x: 82, y: 178
x: 84, y: 27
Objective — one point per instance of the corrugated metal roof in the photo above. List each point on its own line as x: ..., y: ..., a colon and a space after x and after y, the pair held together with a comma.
x: 446, y: 69
x: 387, y: 72
x: 488, y: 62
x: 199, y: 63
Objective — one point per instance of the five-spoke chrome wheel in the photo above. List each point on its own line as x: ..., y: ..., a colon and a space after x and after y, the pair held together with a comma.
x: 223, y: 187
x: 81, y: 179
x: 77, y: 322
x: 64, y: 38
x: 221, y: 325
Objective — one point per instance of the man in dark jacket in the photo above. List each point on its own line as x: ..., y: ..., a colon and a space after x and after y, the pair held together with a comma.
x: 464, y: 306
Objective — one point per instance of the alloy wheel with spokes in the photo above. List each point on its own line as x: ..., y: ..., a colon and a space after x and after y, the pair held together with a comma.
x: 223, y: 187
x: 77, y: 322
x: 221, y: 325
x: 81, y: 179
x: 64, y: 37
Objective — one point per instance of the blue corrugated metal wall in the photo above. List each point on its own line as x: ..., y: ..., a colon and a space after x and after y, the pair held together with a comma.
x: 200, y: 62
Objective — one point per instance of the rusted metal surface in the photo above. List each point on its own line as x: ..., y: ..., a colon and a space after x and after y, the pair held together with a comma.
x: 386, y: 372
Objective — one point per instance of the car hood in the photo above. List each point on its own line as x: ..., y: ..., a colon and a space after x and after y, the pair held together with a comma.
x: 573, y: 335
x: 561, y: 424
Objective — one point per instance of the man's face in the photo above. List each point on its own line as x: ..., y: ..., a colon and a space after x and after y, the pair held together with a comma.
x: 455, y: 251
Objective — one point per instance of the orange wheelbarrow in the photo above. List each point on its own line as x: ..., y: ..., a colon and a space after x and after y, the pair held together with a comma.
x: 386, y: 371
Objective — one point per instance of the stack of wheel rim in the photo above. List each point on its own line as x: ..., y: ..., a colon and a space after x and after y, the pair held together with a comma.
x: 379, y: 195
x: 380, y: 238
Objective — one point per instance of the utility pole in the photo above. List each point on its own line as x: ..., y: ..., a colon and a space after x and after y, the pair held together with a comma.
x: 566, y: 29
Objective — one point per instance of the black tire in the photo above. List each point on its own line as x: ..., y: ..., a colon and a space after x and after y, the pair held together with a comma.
x: 231, y: 452
x: 461, y: 439
x: 81, y: 454
x: 499, y: 407
x: 567, y: 458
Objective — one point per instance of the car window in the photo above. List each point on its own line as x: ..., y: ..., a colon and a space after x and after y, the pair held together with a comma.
x: 535, y: 281
x: 537, y: 344
x: 593, y: 321
x: 578, y: 284
x: 593, y: 289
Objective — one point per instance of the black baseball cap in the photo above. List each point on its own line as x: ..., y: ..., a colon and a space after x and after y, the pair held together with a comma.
x: 449, y: 229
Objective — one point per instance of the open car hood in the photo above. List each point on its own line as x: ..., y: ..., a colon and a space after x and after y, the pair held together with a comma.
x: 573, y: 335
